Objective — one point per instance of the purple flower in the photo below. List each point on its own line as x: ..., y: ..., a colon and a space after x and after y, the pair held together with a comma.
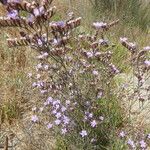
x: 34, y: 118
x: 39, y: 41
x: 56, y: 102
x: 89, y: 54
x: 40, y: 84
x: 30, y: 18
x: 131, y: 143
x: 55, y: 42
x: 122, y: 134
x: 58, y: 115
x: 38, y: 11
x: 45, y: 103
x: 83, y: 133
x: 49, y: 100
x: 61, y: 24
x: 147, y: 63
x: 46, y: 67
x: 147, y: 48
x: 94, y: 123
x: 64, y: 131
x: 39, y: 66
x: 42, y: 10
x: 13, y: 14
x: 13, y: 1
x: 57, y: 106
x: 63, y: 109
x: 143, y: 144
x: 54, y: 111
x: 99, y: 25
x: 43, y: 91
x: 66, y: 120
x: 90, y: 115
x: 45, y: 54
x: 34, y: 84
x: 49, y: 126
x: 95, y: 72
x: 57, y: 121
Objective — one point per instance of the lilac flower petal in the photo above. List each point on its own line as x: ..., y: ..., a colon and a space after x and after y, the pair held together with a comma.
x: 93, y: 123
x: 122, y: 134
x: 131, y: 143
x: 147, y: 62
x: 57, y: 121
x: 30, y: 18
x: 143, y: 144
x: 83, y: 133
x: 99, y: 25
x: 64, y: 131
x: 147, y: 48
x: 49, y: 126
x: 95, y: 72
x: 13, y: 14
x: 34, y: 118
x: 13, y: 1
x: 58, y: 115
x: 61, y: 24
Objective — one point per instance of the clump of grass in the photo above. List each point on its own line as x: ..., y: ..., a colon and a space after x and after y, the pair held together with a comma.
x: 132, y: 12
x: 12, y: 80
x: 10, y: 111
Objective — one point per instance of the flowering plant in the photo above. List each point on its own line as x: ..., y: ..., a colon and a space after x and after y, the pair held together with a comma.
x: 74, y: 75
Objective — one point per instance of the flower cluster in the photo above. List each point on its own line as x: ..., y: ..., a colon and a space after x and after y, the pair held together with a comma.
x: 140, y: 142
x: 141, y: 66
